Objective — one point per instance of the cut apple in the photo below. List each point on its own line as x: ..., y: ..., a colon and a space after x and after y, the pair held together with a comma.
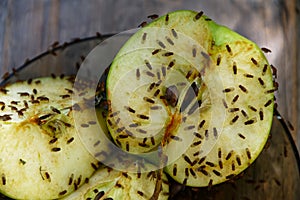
x: 108, y: 183
x: 202, y: 91
x: 41, y: 153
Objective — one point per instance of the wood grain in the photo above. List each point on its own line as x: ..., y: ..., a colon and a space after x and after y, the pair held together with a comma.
x: 28, y: 28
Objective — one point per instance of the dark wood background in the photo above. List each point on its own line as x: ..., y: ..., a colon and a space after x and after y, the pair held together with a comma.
x: 29, y: 27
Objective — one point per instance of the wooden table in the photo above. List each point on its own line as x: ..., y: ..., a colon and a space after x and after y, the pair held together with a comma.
x: 30, y: 27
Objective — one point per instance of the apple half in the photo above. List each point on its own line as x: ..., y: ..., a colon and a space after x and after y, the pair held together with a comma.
x: 198, y: 89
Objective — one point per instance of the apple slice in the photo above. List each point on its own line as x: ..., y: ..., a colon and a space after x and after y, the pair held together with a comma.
x: 202, y: 91
x: 108, y: 183
x: 41, y: 153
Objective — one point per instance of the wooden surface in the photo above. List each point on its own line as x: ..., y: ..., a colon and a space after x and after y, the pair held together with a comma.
x: 29, y: 27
